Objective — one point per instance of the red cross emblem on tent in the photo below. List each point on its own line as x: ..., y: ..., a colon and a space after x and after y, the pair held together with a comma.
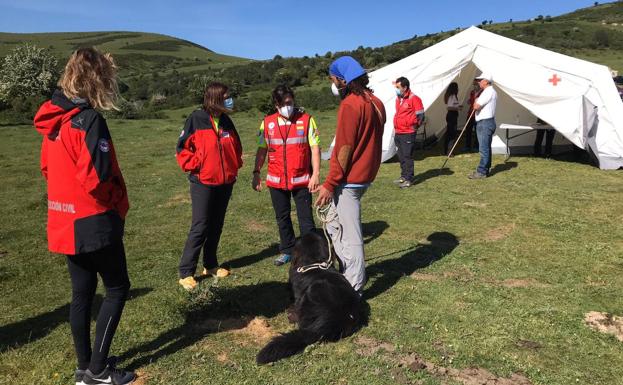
x: 555, y: 80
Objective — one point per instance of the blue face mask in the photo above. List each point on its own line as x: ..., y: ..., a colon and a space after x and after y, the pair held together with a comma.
x: 228, y: 103
x: 398, y: 92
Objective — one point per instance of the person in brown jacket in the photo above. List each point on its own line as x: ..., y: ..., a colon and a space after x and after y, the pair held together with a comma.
x: 355, y: 161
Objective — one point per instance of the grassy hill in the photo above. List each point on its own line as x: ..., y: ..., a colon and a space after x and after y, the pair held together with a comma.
x: 135, y: 52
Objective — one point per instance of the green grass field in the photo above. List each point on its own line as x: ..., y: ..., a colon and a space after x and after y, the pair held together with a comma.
x: 494, y: 274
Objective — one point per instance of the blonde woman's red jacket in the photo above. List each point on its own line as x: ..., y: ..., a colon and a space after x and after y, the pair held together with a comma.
x: 211, y: 156
x: 86, y: 193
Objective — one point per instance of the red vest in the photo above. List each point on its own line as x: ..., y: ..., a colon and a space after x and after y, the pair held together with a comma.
x: 289, y: 154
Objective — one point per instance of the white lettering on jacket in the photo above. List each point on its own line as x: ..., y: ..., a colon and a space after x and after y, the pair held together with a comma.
x: 61, y: 207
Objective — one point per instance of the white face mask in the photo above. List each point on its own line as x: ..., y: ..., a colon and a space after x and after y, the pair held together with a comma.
x: 335, y: 90
x: 286, y: 111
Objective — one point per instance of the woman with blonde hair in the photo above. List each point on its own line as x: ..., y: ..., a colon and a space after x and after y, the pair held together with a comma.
x: 209, y: 149
x: 87, y: 205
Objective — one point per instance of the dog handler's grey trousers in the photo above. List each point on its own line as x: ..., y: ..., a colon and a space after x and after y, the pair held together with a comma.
x: 344, y: 228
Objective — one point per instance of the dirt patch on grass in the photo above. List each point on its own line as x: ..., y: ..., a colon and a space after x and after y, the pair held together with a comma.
x: 605, y: 323
x: 249, y: 330
x: 528, y: 282
x: 500, y: 233
x: 462, y: 275
x: 177, y: 200
x: 256, y: 227
x: 589, y: 281
x: 258, y: 330
x: 425, y: 277
x: 369, y: 346
x: 469, y: 376
x: 223, y: 359
x: 477, y: 205
x: 142, y: 377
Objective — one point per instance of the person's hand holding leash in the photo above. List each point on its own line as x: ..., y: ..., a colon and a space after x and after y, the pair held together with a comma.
x: 324, y: 196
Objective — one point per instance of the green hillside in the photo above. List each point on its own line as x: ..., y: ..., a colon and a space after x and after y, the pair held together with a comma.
x: 135, y: 52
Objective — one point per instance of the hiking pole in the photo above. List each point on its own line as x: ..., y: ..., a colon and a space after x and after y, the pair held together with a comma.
x: 456, y: 142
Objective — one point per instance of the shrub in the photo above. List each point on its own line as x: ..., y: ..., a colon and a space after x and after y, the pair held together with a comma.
x: 27, y: 71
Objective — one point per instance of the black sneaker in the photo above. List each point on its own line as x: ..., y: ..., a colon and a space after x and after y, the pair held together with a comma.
x: 79, y: 375
x: 109, y: 376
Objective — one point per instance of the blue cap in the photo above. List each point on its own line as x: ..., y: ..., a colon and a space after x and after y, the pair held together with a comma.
x: 346, y: 68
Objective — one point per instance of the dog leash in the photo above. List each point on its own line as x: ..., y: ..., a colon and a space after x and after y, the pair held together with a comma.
x: 323, y: 216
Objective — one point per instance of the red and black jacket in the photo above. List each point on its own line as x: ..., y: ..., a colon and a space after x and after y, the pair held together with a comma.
x: 212, y: 156
x: 87, y: 197
x: 409, y: 113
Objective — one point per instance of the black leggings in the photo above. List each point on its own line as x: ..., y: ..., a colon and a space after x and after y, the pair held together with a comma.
x: 110, y: 263
x: 451, y: 120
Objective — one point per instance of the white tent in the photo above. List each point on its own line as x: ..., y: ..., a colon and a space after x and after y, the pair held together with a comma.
x: 576, y: 97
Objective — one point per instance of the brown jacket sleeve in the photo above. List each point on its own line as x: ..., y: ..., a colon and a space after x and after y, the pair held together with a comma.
x: 345, y: 140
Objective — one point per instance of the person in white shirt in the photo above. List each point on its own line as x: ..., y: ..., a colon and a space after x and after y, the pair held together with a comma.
x: 485, y: 124
x: 453, y: 106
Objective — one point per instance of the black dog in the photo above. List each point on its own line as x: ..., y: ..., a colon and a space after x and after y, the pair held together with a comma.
x: 326, y: 307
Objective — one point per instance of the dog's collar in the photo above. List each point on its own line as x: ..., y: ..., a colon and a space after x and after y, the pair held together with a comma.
x: 321, y: 265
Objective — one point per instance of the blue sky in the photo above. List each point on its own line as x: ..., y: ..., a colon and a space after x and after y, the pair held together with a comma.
x: 261, y: 29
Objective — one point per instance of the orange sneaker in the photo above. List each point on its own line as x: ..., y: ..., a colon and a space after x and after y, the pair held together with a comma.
x: 188, y: 283
x: 217, y: 272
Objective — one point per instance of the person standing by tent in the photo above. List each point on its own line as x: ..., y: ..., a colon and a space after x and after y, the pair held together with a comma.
x: 409, y: 115
x: 549, y: 134
x: 473, y: 94
x: 485, y: 124
x: 87, y: 206
x: 451, y: 98
x: 290, y: 139
x: 355, y: 161
x: 209, y: 149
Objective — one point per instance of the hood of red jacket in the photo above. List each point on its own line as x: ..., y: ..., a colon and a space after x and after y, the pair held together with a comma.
x: 53, y: 113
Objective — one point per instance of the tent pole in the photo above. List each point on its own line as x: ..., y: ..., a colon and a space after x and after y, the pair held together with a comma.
x: 456, y: 142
